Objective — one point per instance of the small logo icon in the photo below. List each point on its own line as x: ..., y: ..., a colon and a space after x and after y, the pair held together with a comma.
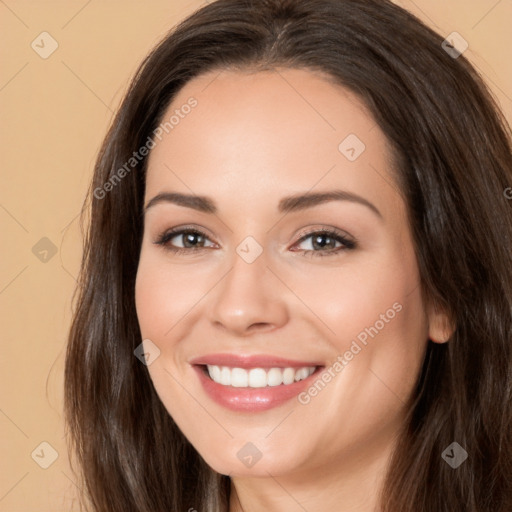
x: 249, y: 454
x: 45, y: 455
x: 351, y: 147
x: 454, y: 455
x: 45, y: 250
x: 147, y: 352
x: 454, y: 45
x: 44, y: 45
x: 248, y: 249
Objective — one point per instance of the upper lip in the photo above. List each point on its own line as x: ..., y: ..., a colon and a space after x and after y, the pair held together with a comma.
x: 250, y: 361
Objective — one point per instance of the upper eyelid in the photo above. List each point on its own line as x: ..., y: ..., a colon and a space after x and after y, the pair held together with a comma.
x: 324, y: 229
x: 171, y: 233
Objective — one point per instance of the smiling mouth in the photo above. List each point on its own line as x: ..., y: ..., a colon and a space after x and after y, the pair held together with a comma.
x: 257, y: 377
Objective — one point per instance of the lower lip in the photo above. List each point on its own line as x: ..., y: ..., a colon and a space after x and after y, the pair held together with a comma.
x: 252, y: 399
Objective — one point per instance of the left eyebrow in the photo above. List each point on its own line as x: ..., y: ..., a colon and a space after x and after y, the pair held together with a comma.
x: 303, y: 201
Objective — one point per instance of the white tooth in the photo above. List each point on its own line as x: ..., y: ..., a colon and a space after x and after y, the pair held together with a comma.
x: 225, y: 376
x: 288, y: 375
x: 304, y: 373
x: 216, y: 373
x: 257, y: 378
x: 301, y: 374
x: 274, y: 377
x: 239, y: 378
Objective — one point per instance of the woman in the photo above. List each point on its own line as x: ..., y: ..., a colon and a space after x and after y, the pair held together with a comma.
x: 214, y: 361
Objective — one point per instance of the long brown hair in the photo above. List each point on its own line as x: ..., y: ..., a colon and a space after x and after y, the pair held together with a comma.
x: 453, y: 161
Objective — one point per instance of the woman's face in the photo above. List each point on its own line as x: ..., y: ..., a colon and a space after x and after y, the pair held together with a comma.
x: 264, y: 287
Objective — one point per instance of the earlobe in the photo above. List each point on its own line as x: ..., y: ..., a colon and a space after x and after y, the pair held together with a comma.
x: 440, y: 326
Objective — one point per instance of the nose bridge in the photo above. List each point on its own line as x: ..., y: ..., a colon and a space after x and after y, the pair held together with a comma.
x: 246, y: 298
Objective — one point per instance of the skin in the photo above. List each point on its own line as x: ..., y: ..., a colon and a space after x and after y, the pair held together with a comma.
x: 252, y: 139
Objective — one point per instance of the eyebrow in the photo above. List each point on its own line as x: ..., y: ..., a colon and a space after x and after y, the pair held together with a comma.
x: 286, y: 205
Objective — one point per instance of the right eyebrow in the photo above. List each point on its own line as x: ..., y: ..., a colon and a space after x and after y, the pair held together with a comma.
x: 200, y: 203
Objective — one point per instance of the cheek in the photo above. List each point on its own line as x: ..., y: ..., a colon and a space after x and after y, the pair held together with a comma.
x: 150, y: 301
x: 383, y: 340
x: 352, y: 299
x: 163, y: 295
x: 381, y: 358
x: 377, y: 324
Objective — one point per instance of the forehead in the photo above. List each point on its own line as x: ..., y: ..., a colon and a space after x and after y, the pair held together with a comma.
x: 265, y: 133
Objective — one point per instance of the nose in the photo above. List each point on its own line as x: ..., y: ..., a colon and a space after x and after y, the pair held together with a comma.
x: 248, y: 299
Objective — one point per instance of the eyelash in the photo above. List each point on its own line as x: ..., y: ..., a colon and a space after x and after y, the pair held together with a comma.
x: 347, y: 244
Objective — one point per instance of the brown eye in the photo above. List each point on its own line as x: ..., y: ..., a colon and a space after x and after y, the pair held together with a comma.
x: 320, y: 240
x: 191, y: 240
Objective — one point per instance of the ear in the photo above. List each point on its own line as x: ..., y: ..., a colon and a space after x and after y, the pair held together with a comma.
x: 440, y: 326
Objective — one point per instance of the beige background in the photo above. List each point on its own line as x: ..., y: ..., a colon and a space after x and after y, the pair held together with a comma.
x: 54, y: 114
